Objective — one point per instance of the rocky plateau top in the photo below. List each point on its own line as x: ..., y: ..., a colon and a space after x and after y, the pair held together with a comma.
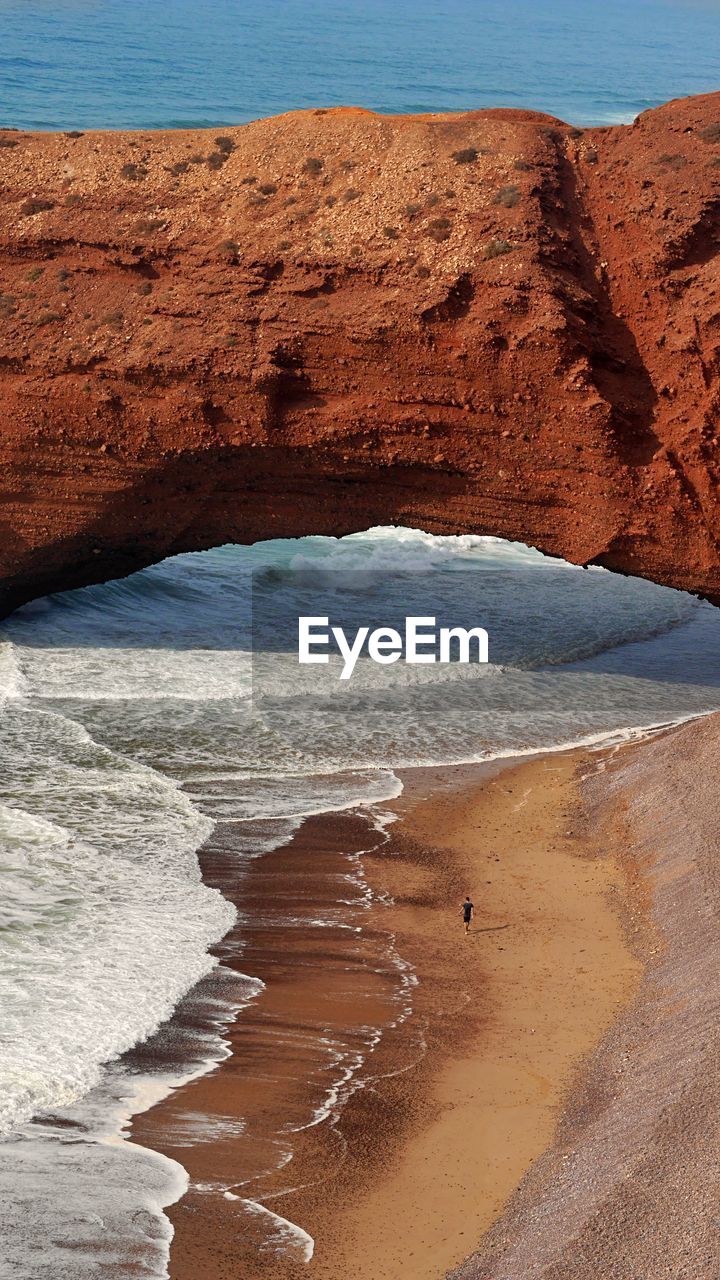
x: 490, y: 322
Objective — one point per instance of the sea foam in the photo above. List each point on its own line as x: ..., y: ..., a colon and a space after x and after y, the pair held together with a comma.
x: 136, y: 715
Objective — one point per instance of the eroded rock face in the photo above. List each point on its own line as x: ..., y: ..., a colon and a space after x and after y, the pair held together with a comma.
x: 488, y: 323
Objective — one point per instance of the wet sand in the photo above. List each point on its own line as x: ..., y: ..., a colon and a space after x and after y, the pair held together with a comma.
x: 438, y: 1120
x: 512, y: 1009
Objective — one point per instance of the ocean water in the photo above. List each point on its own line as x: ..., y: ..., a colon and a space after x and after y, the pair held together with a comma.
x: 134, y: 716
x: 152, y: 64
x: 138, y: 714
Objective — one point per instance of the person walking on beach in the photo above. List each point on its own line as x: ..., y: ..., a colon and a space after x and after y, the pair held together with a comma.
x: 468, y: 911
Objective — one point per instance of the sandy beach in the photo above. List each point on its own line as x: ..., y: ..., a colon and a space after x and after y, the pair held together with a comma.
x: 444, y: 1115
x: 630, y: 1186
x: 360, y: 368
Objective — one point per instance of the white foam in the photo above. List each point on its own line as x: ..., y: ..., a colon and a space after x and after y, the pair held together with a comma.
x: 74, y: 1184
x: 12, y: 681
x: 106, y: 921
x: 396, y: 549
x: 286, y: 1237
x: 113, y: 696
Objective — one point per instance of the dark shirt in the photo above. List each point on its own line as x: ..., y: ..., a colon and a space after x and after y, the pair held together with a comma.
x: 467, y: 909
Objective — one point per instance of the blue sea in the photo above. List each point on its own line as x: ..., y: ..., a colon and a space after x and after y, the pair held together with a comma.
x: 110, y: 64
x: 139, y: 717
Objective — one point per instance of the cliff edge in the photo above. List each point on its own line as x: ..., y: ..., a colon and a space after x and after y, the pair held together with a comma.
x: 489, y: 322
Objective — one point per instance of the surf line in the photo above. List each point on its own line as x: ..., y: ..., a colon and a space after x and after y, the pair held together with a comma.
x: 421, y: 642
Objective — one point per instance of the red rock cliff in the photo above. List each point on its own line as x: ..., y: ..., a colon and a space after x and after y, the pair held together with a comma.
x: 488, y: 322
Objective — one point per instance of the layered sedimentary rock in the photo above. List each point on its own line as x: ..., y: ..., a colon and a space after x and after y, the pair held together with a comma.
x: 489, y: 322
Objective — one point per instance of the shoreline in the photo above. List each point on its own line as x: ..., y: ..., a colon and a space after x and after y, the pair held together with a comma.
x: 407, y: 1082
x: 302, y: 933
x: 485, y: 1102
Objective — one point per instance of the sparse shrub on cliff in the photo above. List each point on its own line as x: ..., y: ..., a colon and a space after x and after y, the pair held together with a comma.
x: 575, y: 133
x: 508, y: 197
x: 146, y: 226
x: 73, y: 200
x: 246, y: 182
x: 7, y: 143
x: 196, y: 158
x: 180, y: 166
x: 7, y: 304
x: 35, y: 273
x: 711, y: 133
x: 591, y: 155
x: 48, y: 317
x: 523, y: 166
x: 432, y: 200
x: 145, y: 289
x: 352, y: 193
x: 313, y: 165
x: 216, y: 160
x: 284, y: 245
x: 390, y: 232
x: 113, y: 319
x: 672, y: 161
x: 423, y: 272
x: 225, y: 144
x: 412, y: 209
x: 133, y: 172
x: 229, y: 251
x: 73, y: 133
x: 439, y: 229
x: 267, y: 188
x: 496, y: 248
x: 330, y: 201
x: 63, y: 274
x: 30, y: 207
x: 466, y: 155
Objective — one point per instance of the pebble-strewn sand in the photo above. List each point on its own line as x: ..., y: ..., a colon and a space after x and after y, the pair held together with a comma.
x: 631, y: 1190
